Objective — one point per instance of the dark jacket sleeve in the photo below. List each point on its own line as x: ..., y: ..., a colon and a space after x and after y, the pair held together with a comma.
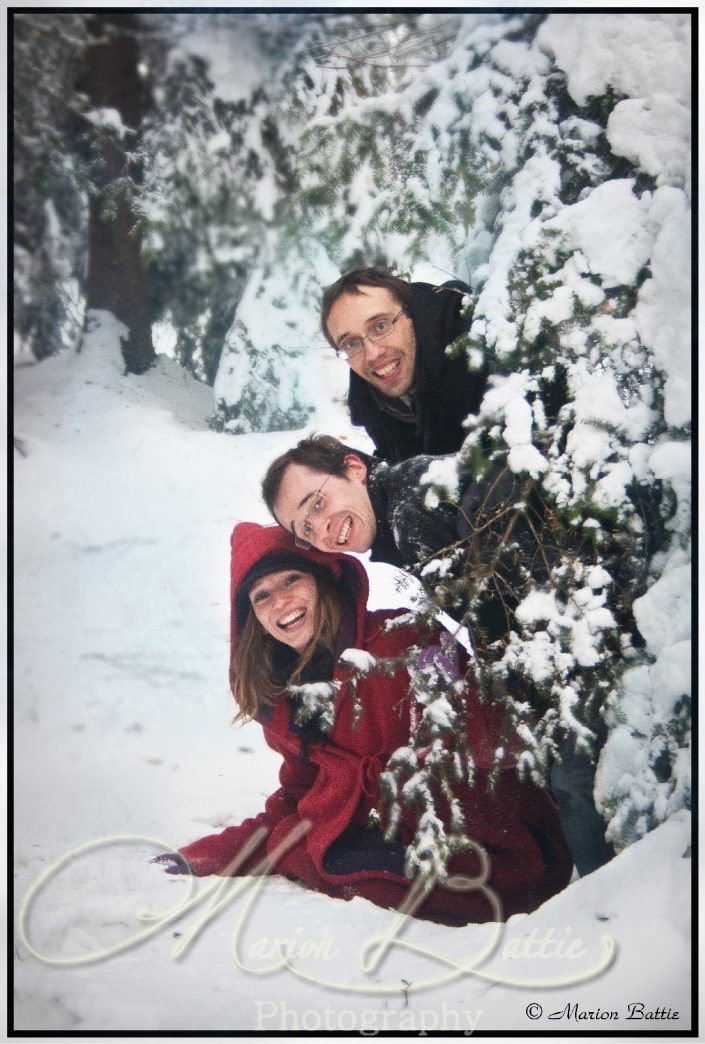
x: 407, y: 530
x: 447, y: 390
x: 423, y: 533
x: 438, y: 316
x: 213, y: 854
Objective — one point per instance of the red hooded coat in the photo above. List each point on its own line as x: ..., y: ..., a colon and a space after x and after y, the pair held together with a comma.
x: 334, y: 783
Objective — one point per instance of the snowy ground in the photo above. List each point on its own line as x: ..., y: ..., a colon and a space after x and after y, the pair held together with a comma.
x: 124, y: 504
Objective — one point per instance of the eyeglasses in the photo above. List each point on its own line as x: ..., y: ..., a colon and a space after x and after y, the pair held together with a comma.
x: 380, y: 329
x: 318, y: 501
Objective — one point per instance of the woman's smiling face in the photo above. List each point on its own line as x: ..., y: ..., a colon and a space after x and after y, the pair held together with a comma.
x: 286, y: 604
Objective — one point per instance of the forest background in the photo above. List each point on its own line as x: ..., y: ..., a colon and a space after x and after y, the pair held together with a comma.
x: 201, y: 177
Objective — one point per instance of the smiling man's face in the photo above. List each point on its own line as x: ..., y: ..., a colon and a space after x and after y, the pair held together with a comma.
x: 389, y: 364
x: 330, y: 512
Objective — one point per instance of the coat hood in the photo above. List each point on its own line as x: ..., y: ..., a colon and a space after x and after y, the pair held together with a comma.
x: 250, y: 542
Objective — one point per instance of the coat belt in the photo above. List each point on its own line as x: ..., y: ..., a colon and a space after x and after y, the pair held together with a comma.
x: 369, y: 771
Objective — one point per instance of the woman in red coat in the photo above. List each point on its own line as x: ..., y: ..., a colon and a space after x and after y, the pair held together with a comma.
x: 293, y: 613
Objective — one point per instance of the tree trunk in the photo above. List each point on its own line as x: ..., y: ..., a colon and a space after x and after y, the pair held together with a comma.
x: 116, y: 279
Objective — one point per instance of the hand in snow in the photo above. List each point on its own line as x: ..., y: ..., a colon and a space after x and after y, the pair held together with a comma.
x: 174, y: 863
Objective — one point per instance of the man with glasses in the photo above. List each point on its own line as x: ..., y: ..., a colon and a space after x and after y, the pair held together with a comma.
x: 335, y: 499
x: 409, y: 395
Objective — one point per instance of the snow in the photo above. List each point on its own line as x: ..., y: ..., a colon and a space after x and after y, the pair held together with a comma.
x: 580, y: 626
x: 663, y: 309
x: 124, y: 505
x: 236, y: 64
x: 315, y: 700
x: 671, y: 460
x: 598, y: 578
x: 506, y: 400
x: 638, y: 55
x: 362, y: 661
x: 515, y: 60
x: 125, y: 499
x: 660, y: 612
x: 618, y: 257
x: 109, y: 120
x: 665, y: 155
x: 442, y: 476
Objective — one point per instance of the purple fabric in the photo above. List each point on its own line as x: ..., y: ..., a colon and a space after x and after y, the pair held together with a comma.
x: 346, y: 631
x: 444, y: 654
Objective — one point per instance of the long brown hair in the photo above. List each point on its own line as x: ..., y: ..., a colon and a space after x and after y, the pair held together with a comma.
x: 252, y: 677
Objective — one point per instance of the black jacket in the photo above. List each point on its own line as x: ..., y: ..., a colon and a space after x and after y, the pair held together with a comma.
x: 445, y: 390
x: 407, y: 531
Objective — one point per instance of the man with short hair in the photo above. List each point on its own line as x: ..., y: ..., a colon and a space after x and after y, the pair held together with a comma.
x: 335, y: 499
x: 408, y: 394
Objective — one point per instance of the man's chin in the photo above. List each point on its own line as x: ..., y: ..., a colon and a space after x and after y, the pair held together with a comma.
x: 343, y: 549
x: 391, y: 391
x: 354, y: 547
x: 361, y: 546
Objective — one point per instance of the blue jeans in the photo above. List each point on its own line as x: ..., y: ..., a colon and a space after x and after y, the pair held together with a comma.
x: 572, y: 785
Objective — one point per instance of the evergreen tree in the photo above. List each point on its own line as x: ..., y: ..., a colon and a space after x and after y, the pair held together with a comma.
x: 575, y: 519
x: 119, y: 99
x: 79, y: 101
x: 494, y: 156
x: 215, y: 171
x: 329, y: 210
x: 50, y: 183
x: 138, y: 187
x: 472, y: 144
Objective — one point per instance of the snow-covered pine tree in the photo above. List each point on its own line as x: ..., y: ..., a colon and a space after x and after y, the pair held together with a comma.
x: 215, y: 173
x: 79, y: 101
x: 202, y: 175
x: 512, y: 154
x: 200, y: 227
x: 341, y: 119
x: 581, y: 447
x: 50, y: 184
